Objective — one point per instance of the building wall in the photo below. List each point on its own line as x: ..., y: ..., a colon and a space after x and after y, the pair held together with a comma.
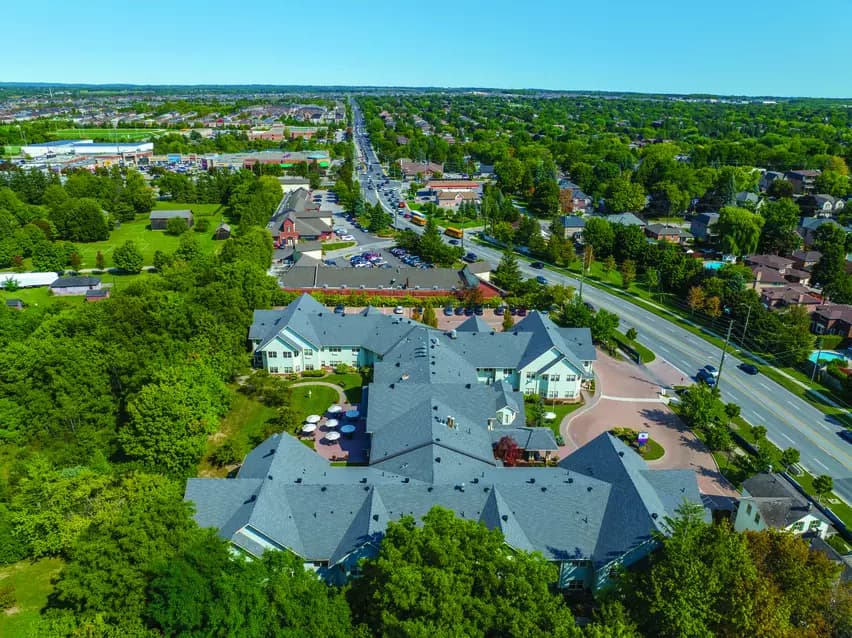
x: 748, y: 517
x: 560, y: 381
x: 75, y: 290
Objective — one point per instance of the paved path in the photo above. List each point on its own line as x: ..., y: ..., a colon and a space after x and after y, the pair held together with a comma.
x: 352, y: 448
x: 633, y: 401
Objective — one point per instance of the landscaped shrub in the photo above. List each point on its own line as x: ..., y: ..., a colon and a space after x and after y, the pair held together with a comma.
x: 202, y: 225
x: 313, y: 373
x: 343, y: 368
x: 7, y: 596
x: 228, y: 453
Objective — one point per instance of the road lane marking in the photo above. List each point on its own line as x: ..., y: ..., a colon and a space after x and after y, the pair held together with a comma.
x: 821, y: 464
x: 787, y: 437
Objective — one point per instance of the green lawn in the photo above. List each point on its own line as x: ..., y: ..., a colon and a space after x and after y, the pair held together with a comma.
x: 351, y: 382
x: 198, y: 210
x: 560, y: 409
x: 108, y: 134
x: 646, y: 354
x: 148, y: 241
x: 314, y: 399
x: 337, y: 245
x: 32, y: 582
x: 38, y: 297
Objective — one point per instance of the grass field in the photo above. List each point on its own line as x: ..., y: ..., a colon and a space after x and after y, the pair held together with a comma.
x: 32, y: 582
x: 148, y: 241
x: 108, y: 134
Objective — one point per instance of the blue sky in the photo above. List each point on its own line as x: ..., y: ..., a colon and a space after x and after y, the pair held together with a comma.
x: 725, y: 47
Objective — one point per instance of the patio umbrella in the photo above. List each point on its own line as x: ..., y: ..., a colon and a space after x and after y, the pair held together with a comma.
x: 307, y: 428
x: 335, y: 409
x: 549, y: 416
x: 348, y: 430
x: 352, y: 414
x: 332, y: 436
x: 331, y: 423
x: 314, y: 418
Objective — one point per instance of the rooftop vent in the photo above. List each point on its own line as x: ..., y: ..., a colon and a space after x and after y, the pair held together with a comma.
x: 404, y: 376
x: 375, y: 517
x: 323, y: 488
x: 505, y: 517
x: 453, y: 334
x: 298, y: 480
x: 654, y: 515
x: 451, y: 422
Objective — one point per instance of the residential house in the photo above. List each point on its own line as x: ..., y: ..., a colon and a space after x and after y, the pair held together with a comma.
x: 66, y: 286
x: 664, y: 232
x: 159, y: 219
x: 453, y: 199
x: 803, y: 181
x: 775, y: 262
x: 767, y: 178
x: 437, y: 404
x: 222, y: 232
x: 832, y: 319
x: 806, y: 259
x: 702, y: 226
x: 769, y: 501
x: 480, y: 269
x: 809, y: 225
x: 763, y: 277
x: 625, y: 219
x: 820, y: 205
x: 572, y: 226
x: 784, y: 296
x: 424, y: 169
x: 572, y: 198
x: 748, y: 200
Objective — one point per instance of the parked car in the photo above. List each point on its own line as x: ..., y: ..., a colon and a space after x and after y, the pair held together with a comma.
x: 537, y: 265
x: 448, y: 311
x: 749, y: 368
x: 846, y: 435
x: 329, y: 262
x: 541, y: 280
x: 459, y: 311
x: 513, y: 311
x: 347, y: 238
x: 522, y: 312
x: 398, y: 310
x: 468, y: 311
x: 500, y: 311
x: 478, y: 311
x: 339, y: 310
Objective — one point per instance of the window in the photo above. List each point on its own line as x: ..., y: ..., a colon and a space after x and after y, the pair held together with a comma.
x: 271, y: 354
x: 308, y: 352
x: 757, y: 519
x: 570, y: 377
x: 799, y: 526
x: 574, y: 585
x: 552, y: 394
x: 579, y: 563
x: 815, y: 525
x: 529, y: 375
x: 287, y: 354
x: 528, y: 390
x: 288, y: 369
x: 333, y: 349
x: 273, y: 369
x: 748, y: 509
x: 309, y: 366
x: 554, y: 377
x: 507, y: 371
x: 356, y: 350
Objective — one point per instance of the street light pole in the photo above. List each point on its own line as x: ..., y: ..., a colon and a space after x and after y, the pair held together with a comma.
x: 724, y: 353
x: 819, y: 353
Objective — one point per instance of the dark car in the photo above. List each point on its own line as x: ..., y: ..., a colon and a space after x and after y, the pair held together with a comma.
x: 478, y: 310
x: 454, y: 242
x: 468, y: 312
x: 846, y: 434
x: 522, y: 312
x: 329, y: 262
x: 706, y: 378
x: 749, y: 368
x: 537, y: 265
x: 448, y: 311
x: 589, y: 306
x: 470, y: 257
x: 459, y: 311
x: 500, y: 311
x: 513, y: 311
x: 339, y: 310
x: 541, y: 280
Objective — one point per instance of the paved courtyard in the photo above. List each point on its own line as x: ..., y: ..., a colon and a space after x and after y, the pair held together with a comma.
x: 629, y: 396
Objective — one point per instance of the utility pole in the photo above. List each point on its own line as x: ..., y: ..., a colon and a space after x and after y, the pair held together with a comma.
x: 819, y: 353
x: 583, y: 271
x: 724, y: 353
x: 745, y: 327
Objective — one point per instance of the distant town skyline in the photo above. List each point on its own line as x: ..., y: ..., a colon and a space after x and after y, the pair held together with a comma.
x: 661, y: 46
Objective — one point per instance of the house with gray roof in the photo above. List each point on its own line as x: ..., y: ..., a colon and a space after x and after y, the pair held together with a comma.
x: 159, y: 219
x: 769, y: 501
x: 625, y: 219
x: 436, y: 407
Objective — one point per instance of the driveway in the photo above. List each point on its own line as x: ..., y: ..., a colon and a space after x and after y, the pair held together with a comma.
x: 630, y: 397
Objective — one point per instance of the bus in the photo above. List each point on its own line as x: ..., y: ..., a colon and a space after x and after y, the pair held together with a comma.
x: 418, y: 219
x: 454, y: 232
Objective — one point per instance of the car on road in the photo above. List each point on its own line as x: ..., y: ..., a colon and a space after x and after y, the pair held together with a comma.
x: 470, y: 257
x: 541, y: 280
x: 846, y: 435
x: 537, y: 265
x: 711, y: 370
x: 749, y: 368
x: 589, y: 306
x: 398, y: 310
x: 705, y: 377
x: 329, y: 262
x: 454, y: 242
x: 347, y: 238
x: 448, y: 311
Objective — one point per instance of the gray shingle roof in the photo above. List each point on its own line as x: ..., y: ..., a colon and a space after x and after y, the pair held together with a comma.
x: 75, y: 282
x: 170, y: 214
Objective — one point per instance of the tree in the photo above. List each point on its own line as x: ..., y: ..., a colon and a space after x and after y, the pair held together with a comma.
x: 624, y: 196
x: 604, y: 325
x: 75, y: 260
x: 128, y: 257
x: 790, y: 457
x: 696, y: 298
x: 608, y: 265
x: 420, y: 584
x: 713, y: 307
x: 100, y: 262
x: 628, y: 273
x: 823, y: 484
x: 598, y: 234
x: 833, y: 183
x: 176, y: 226
x: 508, y: 451
x: 429, y: 316
x: 758, y: 433
x: 778, y: 235
x: 507, y: 275
x: 732, y: 411
x: 739, y: 230
x: 508, y: 321
x: 81, y: 220
x: 631, y: 334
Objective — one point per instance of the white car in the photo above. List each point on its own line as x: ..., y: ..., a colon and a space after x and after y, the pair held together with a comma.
x: 347, y: 238
x: 398, y: 310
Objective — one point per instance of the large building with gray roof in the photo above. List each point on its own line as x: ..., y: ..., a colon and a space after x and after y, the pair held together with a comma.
x: 437, y: 405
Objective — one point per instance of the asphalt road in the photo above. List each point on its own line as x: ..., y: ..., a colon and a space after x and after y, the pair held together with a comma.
x: 789, y: 420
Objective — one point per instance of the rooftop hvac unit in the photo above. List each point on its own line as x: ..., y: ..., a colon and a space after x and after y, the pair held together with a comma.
x: 362, y: 286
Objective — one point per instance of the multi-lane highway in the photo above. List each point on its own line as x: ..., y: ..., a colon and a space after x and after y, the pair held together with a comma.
x: 789, y: 420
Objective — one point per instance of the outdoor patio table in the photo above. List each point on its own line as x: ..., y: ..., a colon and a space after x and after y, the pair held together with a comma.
x: 307, y: 428
x: 335, y: 409
x: 314, y: 418
x: 348, y: 430
x: 331, y: 423
x: 332, y: 436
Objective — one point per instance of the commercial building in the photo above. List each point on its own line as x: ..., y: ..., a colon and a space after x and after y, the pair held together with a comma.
x: 436, y: 405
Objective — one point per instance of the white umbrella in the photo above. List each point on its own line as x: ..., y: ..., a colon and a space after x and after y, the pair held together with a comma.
x: 335, y: 409
x: 331, y: 423
x: 307, y: 428
x: 314, y: 418
x: 549, y: 416
x: 332, y: 436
